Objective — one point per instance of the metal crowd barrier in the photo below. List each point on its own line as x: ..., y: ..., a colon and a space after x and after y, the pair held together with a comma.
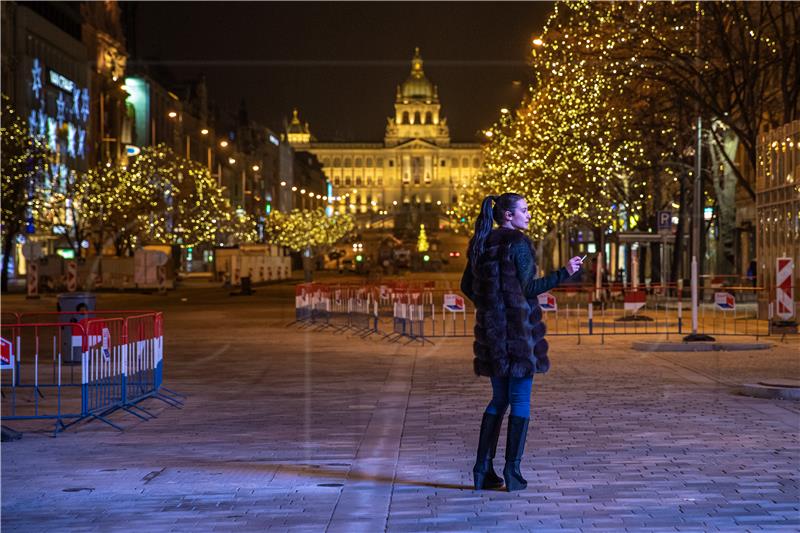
x: 342, y: 309
x: 81, y: 366
x: 423, y: 311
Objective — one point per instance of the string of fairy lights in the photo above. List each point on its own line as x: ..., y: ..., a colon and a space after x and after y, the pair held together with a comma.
x: 25, y: 162
x: 301, y: 229
x: 159, y: 198
x: 605, y: 128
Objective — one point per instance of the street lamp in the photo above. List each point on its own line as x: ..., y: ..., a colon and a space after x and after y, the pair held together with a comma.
x: 223, y: 143
x: 256, y: 168
x: 172, y: 114
x: 204, y: 131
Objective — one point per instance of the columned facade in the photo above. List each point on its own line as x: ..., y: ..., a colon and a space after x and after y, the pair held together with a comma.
x: 414, y: 176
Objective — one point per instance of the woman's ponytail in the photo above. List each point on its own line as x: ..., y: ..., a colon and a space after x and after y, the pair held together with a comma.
x: 493, y: 209
x: 483, y: 226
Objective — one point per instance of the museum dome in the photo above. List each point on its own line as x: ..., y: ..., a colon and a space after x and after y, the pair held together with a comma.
x: 417, y: 86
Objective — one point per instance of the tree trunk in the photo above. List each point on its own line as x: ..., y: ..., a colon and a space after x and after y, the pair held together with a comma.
x: 724, y: 180
x: 8, y: 248
x: 677, y: 250
x: 548, y: 244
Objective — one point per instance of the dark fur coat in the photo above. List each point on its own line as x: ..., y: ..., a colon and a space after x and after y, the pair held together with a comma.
x: 509, y: 332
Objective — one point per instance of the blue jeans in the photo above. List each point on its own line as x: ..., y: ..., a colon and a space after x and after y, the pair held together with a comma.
x: 514, y: 391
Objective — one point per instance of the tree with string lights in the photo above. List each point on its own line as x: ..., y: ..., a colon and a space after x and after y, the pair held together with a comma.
x: 567, y: 148
x: 24, y: 163
x: 307, y: 231
x: 734, y: 64
x: 184, y: 206
x: 302, y: 229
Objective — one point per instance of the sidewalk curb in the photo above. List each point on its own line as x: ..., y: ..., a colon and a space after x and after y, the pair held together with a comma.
x: 773, y: 389
x: 649, y: 346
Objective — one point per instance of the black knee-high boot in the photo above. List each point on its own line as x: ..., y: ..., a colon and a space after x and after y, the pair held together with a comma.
x: 483, y: 471
x: 515, y: 447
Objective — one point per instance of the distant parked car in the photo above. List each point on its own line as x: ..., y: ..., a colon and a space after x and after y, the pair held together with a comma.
x: 347, y: 264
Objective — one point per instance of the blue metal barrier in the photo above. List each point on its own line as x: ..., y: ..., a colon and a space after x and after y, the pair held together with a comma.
x: 120, y: 364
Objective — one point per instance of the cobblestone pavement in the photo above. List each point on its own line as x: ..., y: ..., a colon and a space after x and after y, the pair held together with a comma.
x: 295, y: 430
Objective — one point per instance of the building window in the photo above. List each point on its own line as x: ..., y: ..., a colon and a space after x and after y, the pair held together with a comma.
x: 391, y: 162
x: 405, y: 118
x: 369, y: 180
x: 476, y: 162
x: 369, y: 162
x: 337, y: 162
x: 442, y: 163
x: 348, y: 181
x: 358, y: 162
x: 326, y: 161
x: 379, y: 162
x: 454, y: 163
x: 428, y: 118
x: 465, y: 162
x: 358, y: 180
x: 337, y: 181
x: 379, y: 180
x: 349, y: 162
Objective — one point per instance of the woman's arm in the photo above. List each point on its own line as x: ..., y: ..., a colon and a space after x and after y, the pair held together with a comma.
x: 544, y: 284
x: 526, y: 272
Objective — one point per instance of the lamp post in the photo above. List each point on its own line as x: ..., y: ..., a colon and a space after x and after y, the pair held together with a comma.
x: 697, y: 215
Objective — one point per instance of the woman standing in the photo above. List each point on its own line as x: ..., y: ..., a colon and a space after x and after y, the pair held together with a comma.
x: 509, y: 342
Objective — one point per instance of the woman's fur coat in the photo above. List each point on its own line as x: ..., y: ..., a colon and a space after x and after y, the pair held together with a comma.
x: 509, y: 332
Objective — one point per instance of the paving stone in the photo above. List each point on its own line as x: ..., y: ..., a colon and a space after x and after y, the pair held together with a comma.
x: 294, y: 430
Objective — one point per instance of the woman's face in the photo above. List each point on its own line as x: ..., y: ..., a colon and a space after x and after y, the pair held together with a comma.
x: 519, y: 218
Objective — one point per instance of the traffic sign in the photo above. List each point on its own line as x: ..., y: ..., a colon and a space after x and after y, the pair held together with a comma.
x: 106, y: 344
x: 548, y: 302
x: 724, y: 301
x: 784, y: 289
x: 664, y: 220
x: 6, y: 354
x: 635, y: 300
x: 454, y: 303
x: 33, y: 279
x: 72, y: 276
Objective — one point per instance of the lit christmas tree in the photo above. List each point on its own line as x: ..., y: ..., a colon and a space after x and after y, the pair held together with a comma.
x: 422, y: 241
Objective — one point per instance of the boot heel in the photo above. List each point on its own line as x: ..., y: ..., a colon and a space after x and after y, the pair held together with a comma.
x: 479, y: 480
x: 514, y: 481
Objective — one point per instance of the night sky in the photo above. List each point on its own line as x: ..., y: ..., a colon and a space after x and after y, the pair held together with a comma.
x: 340, y: 62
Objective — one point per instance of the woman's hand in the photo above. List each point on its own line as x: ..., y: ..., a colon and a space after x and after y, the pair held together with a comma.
x: 574, y: 265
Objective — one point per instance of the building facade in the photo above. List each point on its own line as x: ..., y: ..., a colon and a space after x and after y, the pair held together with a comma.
x: 414, y: 176
x: 47, y: 78
x: 778, y: 211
